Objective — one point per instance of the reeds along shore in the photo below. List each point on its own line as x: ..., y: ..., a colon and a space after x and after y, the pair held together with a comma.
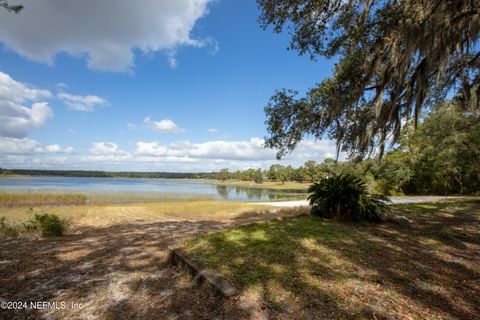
x: 39, y: 199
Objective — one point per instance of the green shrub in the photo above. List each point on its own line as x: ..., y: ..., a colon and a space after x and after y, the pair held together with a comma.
x: 6, y: 229
x: 345, y: 197
x: 48, y: 225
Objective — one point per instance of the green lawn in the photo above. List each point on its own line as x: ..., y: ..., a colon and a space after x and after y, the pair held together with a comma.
x: 305, y: 266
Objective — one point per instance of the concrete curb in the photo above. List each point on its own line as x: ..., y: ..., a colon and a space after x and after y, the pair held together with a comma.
x: 200, y: 274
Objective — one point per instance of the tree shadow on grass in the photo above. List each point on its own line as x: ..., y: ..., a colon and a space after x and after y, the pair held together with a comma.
x: 306, y: 266
x: 114, y: 272
x: 299, y: 268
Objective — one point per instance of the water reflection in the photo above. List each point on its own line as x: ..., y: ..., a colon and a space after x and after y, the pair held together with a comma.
x: 226, y: 192
x: 124, y: 189
x: 222, y: 191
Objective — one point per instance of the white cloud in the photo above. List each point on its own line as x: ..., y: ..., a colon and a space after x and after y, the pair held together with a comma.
x: 81, y: 103
x: 180, y: 156
x: 17, y: 119
x: 106, y: 149
x: 131, y: 125
x: 212, y: 130
x: 19, y: 92
x: 105, y: 32
x: 172, y: 60
x: 165, y: 125
x: 212, y: 44
x: 29, y: 146
x: 252, y: 150
x: 55, y: 148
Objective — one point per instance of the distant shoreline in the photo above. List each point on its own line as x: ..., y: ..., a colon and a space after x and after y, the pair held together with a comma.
x: 105, y: 174
x: 209, y: 177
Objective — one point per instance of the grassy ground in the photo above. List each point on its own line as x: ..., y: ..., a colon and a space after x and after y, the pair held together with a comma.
x: 301, y: 267
x: 117, y: 271
x: 102, y: 215
x: 39, y: 199
x: 289, y: 185
x: 19, y: 198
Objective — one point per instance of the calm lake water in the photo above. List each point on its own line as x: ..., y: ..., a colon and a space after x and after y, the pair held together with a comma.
x: 143, y: 187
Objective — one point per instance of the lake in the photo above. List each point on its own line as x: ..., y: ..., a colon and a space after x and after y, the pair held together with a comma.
x: 144, y: 188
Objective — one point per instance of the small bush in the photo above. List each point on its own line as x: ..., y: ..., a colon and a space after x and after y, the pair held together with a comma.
x: 6, y: 229
x: 48, y: 225
x: 345, y: 197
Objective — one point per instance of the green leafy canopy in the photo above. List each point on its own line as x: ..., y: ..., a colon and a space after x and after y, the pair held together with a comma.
x: 394, y: 57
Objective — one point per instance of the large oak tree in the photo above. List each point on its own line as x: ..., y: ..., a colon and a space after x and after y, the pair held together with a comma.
x: 395, y: 57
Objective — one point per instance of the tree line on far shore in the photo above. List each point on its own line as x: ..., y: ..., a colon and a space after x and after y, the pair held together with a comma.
x: 107, y: 174
x: 442, y: 156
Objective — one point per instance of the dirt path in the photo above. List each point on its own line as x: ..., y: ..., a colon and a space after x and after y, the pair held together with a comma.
x: 394, y: 200
x: 111, y: 272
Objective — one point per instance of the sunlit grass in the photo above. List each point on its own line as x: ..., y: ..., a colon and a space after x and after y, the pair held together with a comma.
x: 295, y: 262
x: 40, y: 199
x: 21, y: 214
x: 101, y: 215
x: 203, y: 210
x: 18, y: 198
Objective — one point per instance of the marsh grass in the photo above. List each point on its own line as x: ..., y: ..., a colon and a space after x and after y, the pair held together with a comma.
x: 203, y: 210
x: 40, y: 199
x: 139, y: 197
x: 303, y: 266
x: 25, y: 198
x: 107, y: 214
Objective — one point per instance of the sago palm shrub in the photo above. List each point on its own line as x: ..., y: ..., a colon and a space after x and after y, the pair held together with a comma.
x: 345, y: 197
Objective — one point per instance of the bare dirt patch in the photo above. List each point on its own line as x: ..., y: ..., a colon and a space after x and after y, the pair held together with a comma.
x: 113, y: 271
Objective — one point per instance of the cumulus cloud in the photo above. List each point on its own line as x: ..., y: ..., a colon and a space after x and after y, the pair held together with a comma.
x: 9, y: 146
x: 212, y: 130
x: 106, y: 149
x: 252, y: 150
x: 81, y: 103
x: 177, y: 156
x: 172, y: 60
x: 165, y: 125
x: 212, y: 44
x: 61, y: 85
x: 105, y: 32
x: 16, y: 118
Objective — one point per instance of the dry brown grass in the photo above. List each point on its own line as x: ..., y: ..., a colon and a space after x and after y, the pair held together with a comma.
x: 40, y: 199
x: 116, y: 271
x: 103, y: 215
x: 22, y: 214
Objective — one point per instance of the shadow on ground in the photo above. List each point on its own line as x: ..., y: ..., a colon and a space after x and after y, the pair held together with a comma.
x: 295, y: 268
x: 309, y: 268
x: 115, y: 272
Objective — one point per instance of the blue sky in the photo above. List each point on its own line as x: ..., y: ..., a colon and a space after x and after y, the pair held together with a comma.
x: 170, y: 86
